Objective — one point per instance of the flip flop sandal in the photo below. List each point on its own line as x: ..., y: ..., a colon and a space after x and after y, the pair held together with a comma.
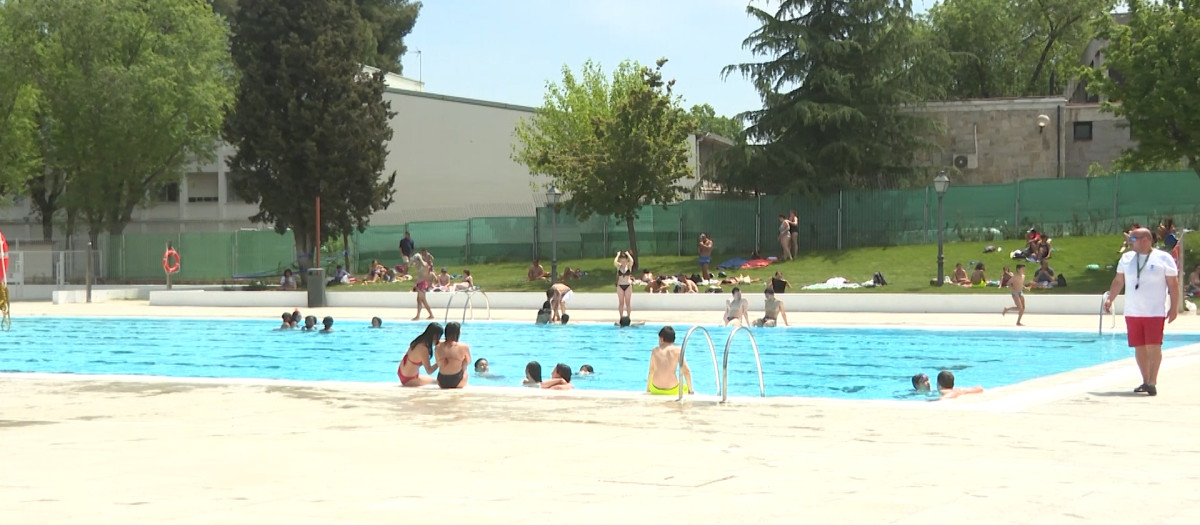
x: 1140, y: 389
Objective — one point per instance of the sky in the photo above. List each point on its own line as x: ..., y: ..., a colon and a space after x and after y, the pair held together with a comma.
x: 507, y: 51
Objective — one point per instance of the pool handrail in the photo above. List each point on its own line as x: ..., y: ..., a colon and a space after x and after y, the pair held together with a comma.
x: 762, y: 388
x: 468, y: 305
x: 1104, y: 299
x: 712, y: 350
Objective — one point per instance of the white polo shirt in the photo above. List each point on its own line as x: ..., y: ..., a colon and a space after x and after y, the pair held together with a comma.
x: 1146, y: 290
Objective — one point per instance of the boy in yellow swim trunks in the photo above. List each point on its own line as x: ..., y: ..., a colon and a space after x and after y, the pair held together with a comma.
x: 663, y: 359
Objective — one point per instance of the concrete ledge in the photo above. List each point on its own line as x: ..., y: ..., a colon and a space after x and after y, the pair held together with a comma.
x: 807, y: 302
x: 98, y: 296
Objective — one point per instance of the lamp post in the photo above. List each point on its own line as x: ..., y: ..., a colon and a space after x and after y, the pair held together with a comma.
x: 552, y: 197
x: 941, y: 183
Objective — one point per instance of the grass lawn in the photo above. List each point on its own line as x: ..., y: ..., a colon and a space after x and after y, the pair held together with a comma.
x: 908, y: 269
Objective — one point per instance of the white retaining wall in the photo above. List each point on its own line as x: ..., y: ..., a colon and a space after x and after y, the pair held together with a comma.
x: 807, y: 302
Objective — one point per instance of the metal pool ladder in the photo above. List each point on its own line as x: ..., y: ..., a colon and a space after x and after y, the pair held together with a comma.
x: 683, y: 348
x: 723, y: 380
x: 468, y: 305
x: 1104, y: 299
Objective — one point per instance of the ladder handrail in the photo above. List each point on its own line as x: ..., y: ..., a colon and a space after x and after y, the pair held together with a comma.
x: 712, y: 350
x: 762, y: 388
x: 470, y: 295
x: 1103, y: 299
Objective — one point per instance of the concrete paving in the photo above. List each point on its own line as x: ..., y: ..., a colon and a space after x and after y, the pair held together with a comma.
x: 1078, y: 447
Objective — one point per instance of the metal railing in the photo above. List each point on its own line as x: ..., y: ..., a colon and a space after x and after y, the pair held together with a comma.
x: 683, y: 348
x: 762, y: 388
x: 468, y: 305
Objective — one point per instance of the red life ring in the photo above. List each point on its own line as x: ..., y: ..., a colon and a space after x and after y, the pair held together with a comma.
x: 3, y: 259
x: 171, y: 268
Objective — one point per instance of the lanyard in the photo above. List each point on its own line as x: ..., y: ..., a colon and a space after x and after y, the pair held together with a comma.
x: 1138, y: 262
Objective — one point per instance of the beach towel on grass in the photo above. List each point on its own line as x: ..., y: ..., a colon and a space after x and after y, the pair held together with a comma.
x: 756, y: 263
x: 733, y: 263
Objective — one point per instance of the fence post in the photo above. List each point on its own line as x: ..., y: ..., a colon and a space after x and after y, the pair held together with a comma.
x: 925, y: 229
x: 468, y: 254
x: 537, y: 234
x: 1116, y: 202
x: 1017, y: 206
x: 679, y: 243
x: 839, y: 219
x: 604, y: 235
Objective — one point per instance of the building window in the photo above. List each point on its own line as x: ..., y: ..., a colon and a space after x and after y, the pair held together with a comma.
x: 169, y: 192
x: 1083, y: 131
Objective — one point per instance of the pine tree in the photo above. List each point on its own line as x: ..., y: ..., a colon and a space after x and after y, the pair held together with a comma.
x: 308, y: 123
x: 835, y: 86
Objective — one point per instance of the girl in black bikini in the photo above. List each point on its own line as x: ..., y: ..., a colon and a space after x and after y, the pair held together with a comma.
x: 624, y: 263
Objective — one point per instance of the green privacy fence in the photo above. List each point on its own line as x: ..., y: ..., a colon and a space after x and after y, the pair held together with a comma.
x: 836, y: 221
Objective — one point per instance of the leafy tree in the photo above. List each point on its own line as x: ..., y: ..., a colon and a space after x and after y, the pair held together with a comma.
x: 611, y: 147
x: 707, y: 121
x: 18, y: 131
x: 384, y: 24
x: 1011, y: 48
x: 835, y: 82
x: 1155, y: 58
x: 129, y: 90
x: 307, y: 122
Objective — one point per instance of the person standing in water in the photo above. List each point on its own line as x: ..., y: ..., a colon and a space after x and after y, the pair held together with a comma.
x: 664, y: 358
x: 453, y: 358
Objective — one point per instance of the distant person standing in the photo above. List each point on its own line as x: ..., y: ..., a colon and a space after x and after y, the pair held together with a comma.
x: 1147, y: 309
x: 794, y: 232
x: 406, y: 247
x: 704, y: 249
x: 1016, y: 284
x: 785, y: 238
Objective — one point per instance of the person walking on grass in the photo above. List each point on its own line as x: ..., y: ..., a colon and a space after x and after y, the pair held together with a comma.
x: 1016, y: 285
x: 1149, y: 277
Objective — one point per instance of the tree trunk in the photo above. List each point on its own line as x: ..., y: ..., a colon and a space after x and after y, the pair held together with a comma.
x: 346, y: 250
x: 47, y: 228
x: 632, y: 239
x: 304, y: 250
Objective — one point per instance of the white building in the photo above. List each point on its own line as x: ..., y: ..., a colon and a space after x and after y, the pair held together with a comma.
x: 451, y: 155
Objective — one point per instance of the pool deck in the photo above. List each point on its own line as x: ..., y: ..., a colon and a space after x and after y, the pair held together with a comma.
x: 1077, y: 447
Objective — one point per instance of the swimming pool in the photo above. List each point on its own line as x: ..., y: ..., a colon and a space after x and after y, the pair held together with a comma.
x: 844, y: 363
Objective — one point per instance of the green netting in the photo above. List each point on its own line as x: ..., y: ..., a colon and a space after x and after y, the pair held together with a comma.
x: 836, y: 221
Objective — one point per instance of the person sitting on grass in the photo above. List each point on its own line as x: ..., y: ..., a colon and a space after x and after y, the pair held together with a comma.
x: 977, y: 277
x: 685, y: 285
x: 1044, y: 276
x: 657, y: 285
x: 467, y: 282
x: 287, y: 281
x: 1193, y: 286
x: 960, y: 275
x: 570, y: 273
x: 536, y: 272
x: 1006, y: 276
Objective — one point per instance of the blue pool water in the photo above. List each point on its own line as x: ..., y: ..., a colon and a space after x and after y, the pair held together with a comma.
x: 813, y: 362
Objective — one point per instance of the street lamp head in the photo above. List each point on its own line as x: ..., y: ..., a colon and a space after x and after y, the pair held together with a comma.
x: 553, y: 195
x: 1043, y: 120
x: 941, y: 183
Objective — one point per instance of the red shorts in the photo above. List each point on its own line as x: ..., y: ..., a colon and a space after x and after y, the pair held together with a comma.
x: 1144, y: 331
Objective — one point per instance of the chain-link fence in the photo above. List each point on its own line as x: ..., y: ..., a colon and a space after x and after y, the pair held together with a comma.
x: 739, y: 226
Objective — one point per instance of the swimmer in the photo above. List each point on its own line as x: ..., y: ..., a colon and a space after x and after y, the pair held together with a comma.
x: 453, y: 357
x: 481, y: 366
x: 328, y: 322
x: 376, y: 322
x: 565, y: 318
x: 287, y: 322
x: 945, y: 381
x: 920, y: 383
x: 295, y: 317
x: 735, y: 309
x: 663, y: 360
x: 533, y: 374
x: 625, y: 322
x: 543, y: 314
x: 560, y: 378
x: 419, y: 353
x: 310, y: 323
x: 586, y: 370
